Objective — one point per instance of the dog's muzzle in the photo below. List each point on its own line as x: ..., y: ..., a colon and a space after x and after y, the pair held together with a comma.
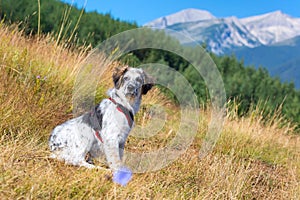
x: 131, y: 90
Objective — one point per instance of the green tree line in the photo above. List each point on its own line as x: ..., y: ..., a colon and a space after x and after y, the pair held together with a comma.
x: 66, y: 22
x: 246, y: 86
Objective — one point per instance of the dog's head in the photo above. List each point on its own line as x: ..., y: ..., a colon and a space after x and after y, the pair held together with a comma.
x: 133, y: 82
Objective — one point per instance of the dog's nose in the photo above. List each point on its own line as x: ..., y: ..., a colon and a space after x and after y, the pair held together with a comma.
x: 131, y: 88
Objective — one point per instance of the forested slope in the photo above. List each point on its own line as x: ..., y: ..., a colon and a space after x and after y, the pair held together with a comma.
x: 64, y: 21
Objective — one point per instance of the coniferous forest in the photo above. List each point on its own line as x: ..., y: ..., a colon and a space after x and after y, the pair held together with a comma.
x: 247, y: 88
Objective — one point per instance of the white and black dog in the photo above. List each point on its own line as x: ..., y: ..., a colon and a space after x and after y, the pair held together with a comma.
x: 104, y: 130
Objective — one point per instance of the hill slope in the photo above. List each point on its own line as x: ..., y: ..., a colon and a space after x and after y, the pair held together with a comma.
x: 251, y: 159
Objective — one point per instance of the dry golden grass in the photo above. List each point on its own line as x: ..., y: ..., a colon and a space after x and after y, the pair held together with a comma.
x: 251, y: 160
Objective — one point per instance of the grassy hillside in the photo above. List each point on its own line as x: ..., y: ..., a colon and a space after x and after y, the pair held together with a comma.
x: 252, y: 160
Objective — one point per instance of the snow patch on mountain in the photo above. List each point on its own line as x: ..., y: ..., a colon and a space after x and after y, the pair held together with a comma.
x: 225, y: 34
x: 272, y: 27
x: 184, y: 16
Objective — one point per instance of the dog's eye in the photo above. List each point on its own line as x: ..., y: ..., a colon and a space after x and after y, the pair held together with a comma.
x: 139, y: 80
x: 126, y: 78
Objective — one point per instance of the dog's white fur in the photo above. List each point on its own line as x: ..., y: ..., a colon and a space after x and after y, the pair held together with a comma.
x: 74, y: 139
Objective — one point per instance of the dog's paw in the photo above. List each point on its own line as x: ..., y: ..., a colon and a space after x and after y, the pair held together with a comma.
x: 86, y: 165
x: 122, y: 176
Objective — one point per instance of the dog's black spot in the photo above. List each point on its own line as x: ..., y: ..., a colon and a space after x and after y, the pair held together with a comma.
x: 55, y: 146
x: 93, y: 118
x: 122, y: 146
x: 52, y: 137
x: 118, y: 76
x: 88, y: 158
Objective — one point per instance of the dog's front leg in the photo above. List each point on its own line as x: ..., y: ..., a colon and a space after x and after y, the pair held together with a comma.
x: 112, y: 152
x: 121, y: 174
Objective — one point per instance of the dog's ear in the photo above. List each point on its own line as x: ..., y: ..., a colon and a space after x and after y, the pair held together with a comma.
x: 148, y: 83
x: 118, y: 74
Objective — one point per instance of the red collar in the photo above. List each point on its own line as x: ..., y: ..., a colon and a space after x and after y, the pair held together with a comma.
x: 128, y: 114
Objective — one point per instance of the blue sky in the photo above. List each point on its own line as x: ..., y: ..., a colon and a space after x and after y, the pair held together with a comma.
x: 143, y: 11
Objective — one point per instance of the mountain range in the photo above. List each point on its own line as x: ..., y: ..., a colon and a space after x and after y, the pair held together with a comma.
x: 270, y: 40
